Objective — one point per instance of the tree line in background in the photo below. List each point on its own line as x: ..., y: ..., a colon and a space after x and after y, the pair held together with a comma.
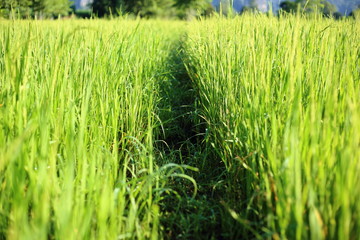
x: 313, y: 6
x: 34, y: 8
x: 182, y: 9
x: 153, y: 8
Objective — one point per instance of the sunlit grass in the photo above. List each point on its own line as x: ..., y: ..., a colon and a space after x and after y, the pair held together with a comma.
x: 86, y: 108
x: 281, y: 101
x: 77, y: 125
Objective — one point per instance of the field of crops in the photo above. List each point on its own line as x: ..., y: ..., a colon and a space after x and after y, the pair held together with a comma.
x: 236, y: 128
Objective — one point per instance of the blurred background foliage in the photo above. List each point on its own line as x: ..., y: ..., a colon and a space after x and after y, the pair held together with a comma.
x: 313, y: 6
x: 180, y: 9
x: 35, y: 8
x: 184, y: 9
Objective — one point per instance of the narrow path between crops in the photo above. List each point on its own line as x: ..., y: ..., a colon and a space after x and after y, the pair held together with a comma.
x: 184, y: 217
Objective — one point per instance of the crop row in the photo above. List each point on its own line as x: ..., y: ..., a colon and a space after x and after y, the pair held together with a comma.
x: 84, y: 106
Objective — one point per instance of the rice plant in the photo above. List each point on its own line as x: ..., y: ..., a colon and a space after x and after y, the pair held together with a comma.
x: 77, y: 123
x: 104, y: 123
x: 280, y: 97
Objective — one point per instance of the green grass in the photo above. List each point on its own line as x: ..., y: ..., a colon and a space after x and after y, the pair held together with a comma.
x: 280, y: 98
x: 77, y: 125
x: 100, y: 122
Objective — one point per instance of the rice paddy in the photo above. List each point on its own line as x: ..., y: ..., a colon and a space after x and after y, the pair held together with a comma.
x: 235, y: 128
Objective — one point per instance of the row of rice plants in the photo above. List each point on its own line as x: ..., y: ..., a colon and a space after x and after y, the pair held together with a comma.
x: 77, y: 123
x: 280, y: 98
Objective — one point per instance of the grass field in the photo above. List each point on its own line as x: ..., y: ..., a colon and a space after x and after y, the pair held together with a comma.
x: 214, y: 129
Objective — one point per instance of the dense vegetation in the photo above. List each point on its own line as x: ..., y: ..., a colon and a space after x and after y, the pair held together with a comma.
x: 169, y: 9
x: 34, y: 8
x: 78, y: 120
x: 222, y: 128
x: 154, y: 8
x: 280, y: 99
x: 105, y: 8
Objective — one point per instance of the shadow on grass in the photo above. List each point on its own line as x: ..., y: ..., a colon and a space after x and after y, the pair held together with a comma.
x: 183, y: 142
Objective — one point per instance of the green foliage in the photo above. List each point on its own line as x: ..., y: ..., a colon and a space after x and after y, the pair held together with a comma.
x: 78, y: 104
x: 34, y: 8
x: 83, y: 13
x: 54, y: 7
x: 328, y: 9
x: 153, y: 8
x: 103, y: 8
x: 281, y: 104
x: 289, y: 6
x: 188, y: 9
x: 310, y: 7
x: 225, y: 8
x: 356, y: 13
x: 100, y: 120
x: 18, y: 7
